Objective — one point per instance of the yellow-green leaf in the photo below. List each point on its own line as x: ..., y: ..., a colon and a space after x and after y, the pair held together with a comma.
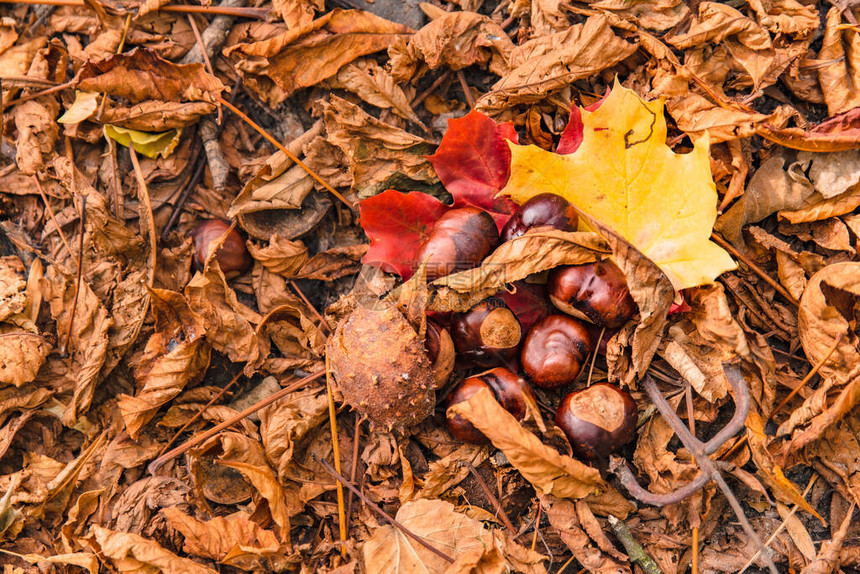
x: 624, y: 175
x: 148, y: 144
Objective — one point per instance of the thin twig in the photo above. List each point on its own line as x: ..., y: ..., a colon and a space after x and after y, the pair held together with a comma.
x: 253, y: 13
x: 594, y: 356
x: 373, y: 506
x: 53, y: 215
x: 200, y: 412
x: 634, y: 550
x: 319, y: 316
x: 194, y: 441
x: 46, y: 92
x: 492, y: 498
x: 755, y: 268
x: 287, y: 152
x: 467, y: 91
x: 809, y: 375
x: 335, y: 450
x: 64, y: 349
x: 694, y: 567
x: 781, y: 527
x: 433, y: 87
x: 537, y: 528
x: 700, y: 451
x: 356, y: 435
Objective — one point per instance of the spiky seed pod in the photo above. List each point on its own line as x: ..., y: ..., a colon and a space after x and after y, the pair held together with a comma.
x: 381, y: 367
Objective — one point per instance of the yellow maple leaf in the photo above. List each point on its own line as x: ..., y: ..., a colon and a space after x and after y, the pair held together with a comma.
x: 625, y: 175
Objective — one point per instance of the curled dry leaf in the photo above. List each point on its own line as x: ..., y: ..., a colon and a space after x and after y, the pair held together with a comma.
x: 381, y: 366
x: 175, y: 356
x: 547, y: 470
x: 87, y: 336
x: 22, y: 354
x: 536, y: 251
x: 280, y: 256
x: 456, y: 40
x: 304, y: 56
x: 379, y: 155
x: 463, y: 539
x: 563, y: 516
x: 285, y: 423
x: 653, y: 294
x: 13, y: 284
x: 233, y: 540
x: 376, y: 86
x: 245, y: 455
x: 37, y: 133
x: 819, y: 324
x: 841, y: 73
x: 228, y: 322
x: 548, y: 63
x: 133, y: 553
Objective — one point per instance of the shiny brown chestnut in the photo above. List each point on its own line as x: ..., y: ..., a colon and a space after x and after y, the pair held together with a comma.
x: 555, y: 350
x: 460, y: 239
x: 543, y: 210
x: 597, y: 420
x: 512, y: 392
x: 233, y: 257
x: 596, y: 292
x: 440, y: 351
x: 488, y: 334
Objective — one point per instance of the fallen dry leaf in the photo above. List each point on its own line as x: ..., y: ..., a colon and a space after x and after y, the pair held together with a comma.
x: 306, y: 55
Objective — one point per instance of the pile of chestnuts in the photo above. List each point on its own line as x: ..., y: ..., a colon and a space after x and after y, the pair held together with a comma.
x: 587, y: 299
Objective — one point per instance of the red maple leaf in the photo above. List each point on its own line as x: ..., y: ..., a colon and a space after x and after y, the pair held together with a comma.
x: 571, y: 137
x: 474, y: 163
x: 396, y: 224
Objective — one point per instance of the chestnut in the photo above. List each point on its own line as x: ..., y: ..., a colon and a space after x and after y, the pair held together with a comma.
x: 233, y: 257
x: 555, y: 350
x: 543, y: 210
x: 488, y: 334
x: 509, y: 389
x: 440, y: 351
x: 460, y: 239
x: 596, y: 292
x: 597, y: 420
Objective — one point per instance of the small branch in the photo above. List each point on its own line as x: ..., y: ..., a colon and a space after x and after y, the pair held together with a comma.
x: 287, y: 152
x: 373, y: 506
x: 755, y: 268
x: 492, y: 498
x: 700, y: 452
x: 467, y: 91
x: 253, y: 13
x: 808, y: 376
x: 64, y: 349
x: 194, y: 441
x: 335, y: 451
x: 433, y: 87
x: 200, y: 412
x: 634, y: 550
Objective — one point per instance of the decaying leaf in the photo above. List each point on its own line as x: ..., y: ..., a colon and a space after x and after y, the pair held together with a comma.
x: 819, y: 324
x: 547, y: 470
x: 176, y: 355
x: 306, y: 55
x: 133, y: 553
